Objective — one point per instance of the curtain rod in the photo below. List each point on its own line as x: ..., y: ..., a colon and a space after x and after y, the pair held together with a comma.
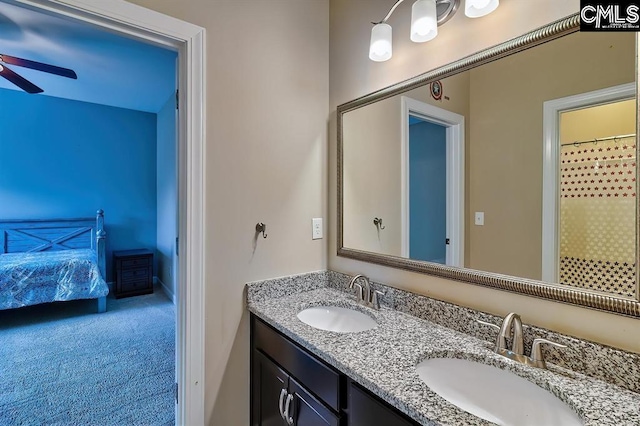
x: 596, y: 140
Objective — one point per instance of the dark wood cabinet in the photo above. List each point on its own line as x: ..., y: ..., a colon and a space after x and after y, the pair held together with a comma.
x: 281, y: 401
x: 365, y: 409
x: 270, y: 385
x: 290, y: 386
x: 133, y: 270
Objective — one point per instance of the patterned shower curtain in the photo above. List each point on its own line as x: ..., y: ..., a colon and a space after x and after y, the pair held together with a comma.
x: 598, y: 216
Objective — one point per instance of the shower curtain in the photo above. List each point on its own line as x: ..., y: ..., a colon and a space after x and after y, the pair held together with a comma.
x: 598, y: 216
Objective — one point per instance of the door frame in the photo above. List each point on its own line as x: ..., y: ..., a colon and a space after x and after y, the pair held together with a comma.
x: 189, y: 41
x: 454, y: 124
x: 551, y: 166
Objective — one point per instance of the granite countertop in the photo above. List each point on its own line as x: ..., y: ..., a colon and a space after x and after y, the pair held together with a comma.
x: 384, y: 358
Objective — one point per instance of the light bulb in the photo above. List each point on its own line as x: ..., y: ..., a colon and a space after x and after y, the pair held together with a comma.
x: 380, y: 48
x: 478, y: 8
x: 424, y: 21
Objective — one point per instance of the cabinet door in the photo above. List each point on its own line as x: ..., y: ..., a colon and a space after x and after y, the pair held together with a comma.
x: 268, y: 384
x: 306, y: 410
x: 365, y: 409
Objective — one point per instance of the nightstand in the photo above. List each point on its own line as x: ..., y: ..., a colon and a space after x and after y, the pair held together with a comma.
x: 133, y: 271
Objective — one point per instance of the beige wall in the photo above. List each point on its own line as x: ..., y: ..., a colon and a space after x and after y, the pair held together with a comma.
x: 614, y: 119
x: 372, y: 177
x: 352, y: 75
x: 267, y: 104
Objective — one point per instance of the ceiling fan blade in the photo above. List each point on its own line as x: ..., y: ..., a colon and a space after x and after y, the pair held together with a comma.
x: 19, y: 81
x: 51, y: 69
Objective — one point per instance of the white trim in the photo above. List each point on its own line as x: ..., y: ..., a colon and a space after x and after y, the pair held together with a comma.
x: 454, y: 124
x: 189, y: 40
x: 551, y: 169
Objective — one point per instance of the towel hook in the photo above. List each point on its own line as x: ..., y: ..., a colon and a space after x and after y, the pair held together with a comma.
x: 261, y: 228
x: 378, y: 223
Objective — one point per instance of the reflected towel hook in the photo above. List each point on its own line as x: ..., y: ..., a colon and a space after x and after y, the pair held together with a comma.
x: 261, y: 228
x: 378, y: 223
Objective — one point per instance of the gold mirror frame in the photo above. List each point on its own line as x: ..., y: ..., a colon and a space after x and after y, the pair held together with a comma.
x: 525, y: 286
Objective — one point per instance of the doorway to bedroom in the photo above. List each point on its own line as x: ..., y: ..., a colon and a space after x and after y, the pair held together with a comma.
x: 65, y: 153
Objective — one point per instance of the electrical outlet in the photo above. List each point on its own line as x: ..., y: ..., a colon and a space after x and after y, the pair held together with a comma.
x: 316, y: 228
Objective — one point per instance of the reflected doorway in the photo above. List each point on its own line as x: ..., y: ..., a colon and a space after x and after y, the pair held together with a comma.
x: 432, y: 183
x: 427, y: 190
x: 589, y: 195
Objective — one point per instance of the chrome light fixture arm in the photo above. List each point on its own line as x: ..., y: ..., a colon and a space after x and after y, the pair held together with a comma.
x: 446, y: 10
x: 393, y: 8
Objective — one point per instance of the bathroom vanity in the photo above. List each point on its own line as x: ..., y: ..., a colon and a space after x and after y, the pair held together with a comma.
x: 302, y: 375
x: 292, y: 386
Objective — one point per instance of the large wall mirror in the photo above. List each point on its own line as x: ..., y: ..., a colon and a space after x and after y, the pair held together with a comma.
x: 513, y: 168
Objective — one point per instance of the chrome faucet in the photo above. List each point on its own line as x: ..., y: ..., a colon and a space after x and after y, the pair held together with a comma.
x: 366, y: 295
x: 511, y: 321
x: 360, y: 295
x: 516, y: 353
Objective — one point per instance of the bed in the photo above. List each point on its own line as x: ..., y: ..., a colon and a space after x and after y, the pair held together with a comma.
x: 45, y: 261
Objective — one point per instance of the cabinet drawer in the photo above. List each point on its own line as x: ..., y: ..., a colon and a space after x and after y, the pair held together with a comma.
x: 141, y: 261
x: 135, y: 274
x: 137, y: 285
x: 318, y: 377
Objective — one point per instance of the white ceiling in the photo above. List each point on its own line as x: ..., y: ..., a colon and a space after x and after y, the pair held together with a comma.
x: 112, y: 70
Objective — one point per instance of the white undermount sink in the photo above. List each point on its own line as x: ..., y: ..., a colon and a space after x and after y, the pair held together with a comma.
x: 494, y: 394
x: 336, y: 318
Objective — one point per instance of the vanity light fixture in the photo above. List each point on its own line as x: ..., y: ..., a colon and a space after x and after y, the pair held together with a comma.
x: 426, y: 15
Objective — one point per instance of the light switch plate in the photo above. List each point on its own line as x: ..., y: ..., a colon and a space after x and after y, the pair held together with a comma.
x: 316, y: 228
x: 480, y: 218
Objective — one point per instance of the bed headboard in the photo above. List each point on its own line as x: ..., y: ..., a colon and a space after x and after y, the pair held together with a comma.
x: 19, y: 236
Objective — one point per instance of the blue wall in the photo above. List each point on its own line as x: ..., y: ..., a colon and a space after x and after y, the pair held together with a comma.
x: 66, y: 159
x: 167, y: 184
x: 427, y: 191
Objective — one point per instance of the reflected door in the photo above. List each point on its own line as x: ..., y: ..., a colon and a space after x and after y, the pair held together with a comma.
x: 427, y: 190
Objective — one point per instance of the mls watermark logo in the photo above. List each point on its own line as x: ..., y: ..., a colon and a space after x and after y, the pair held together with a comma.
x: 609, y: 15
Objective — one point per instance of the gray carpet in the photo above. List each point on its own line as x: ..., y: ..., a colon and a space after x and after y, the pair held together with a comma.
x: 63, y: 364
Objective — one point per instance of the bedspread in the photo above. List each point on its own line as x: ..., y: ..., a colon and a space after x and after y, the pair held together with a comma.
x: 40, y: 277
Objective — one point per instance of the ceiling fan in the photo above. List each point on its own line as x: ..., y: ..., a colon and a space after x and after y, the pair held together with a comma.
x: 22, y: 82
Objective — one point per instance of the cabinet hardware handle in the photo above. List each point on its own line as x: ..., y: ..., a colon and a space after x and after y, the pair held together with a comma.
x: 286, y: 410
x: 283, y: 392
